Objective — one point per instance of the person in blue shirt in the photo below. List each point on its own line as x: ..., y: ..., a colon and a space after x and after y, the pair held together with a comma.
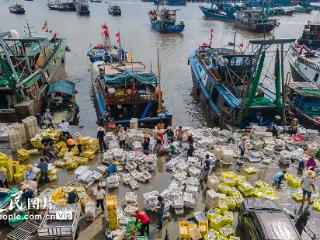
x: 27, y: 194
x: 43, y: 166
x: 112, y: 168
x: 278, y: 177
x: 160, y: 211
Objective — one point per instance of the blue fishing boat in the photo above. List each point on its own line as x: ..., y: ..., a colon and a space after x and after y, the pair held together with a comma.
x: 226, y: 84
x: 164, y: 21
x: 311, y: 35
x: 125, y: 90
x: 305, y: 103
x: 105, y: 51
x: 176, y: 2
x: 219, y: 12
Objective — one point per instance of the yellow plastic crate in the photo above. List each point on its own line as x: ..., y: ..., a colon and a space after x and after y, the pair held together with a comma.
x: 298, y: 196
x: 212, y: 212
x: 229, y: 182
x: 203, y: 227
x: 18, y: 177
x: 228, y: 174
x: 294, y: 182
x: 250, y: 170
x: 184, y: 230
x: 111, y: 201
x: 227, y: 218
x: 239, y: 179
x: 227, y: 231
x: 231, y: 203
x: 316, y: 204
x: 216, y: 222
x: 212, y: 234
x: 223, y: 188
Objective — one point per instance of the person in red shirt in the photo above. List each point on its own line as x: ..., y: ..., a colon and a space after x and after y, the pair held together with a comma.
x: 145, y: 221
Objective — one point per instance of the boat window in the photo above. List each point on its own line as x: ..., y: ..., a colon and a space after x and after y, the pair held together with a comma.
x: 316, y: 77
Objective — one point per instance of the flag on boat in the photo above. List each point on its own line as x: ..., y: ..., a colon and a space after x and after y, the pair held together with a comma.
x: 105, y: 30
x: 129, y: 56
x: 45, y: 26
x: 118, y: 37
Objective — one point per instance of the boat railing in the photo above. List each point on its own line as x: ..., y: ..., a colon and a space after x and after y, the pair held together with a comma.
x: 131, y: 98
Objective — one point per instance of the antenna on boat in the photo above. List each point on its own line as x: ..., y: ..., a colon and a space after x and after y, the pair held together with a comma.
x: 28, y: 28
x: 159, y: 83
x: 234, y: 41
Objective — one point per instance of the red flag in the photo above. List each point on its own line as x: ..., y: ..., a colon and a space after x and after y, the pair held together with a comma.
x: 118, y: 37
x: 105, y: 30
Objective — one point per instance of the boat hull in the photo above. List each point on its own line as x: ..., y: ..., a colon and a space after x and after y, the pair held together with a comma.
x: 18, y: 12
x: 260, y: 115
x: 258, y: 28
x: 304, y: 73
x: 167, y: 28
x: 114, y: 13
x: 304, y: 119
x: 209, y: 15
x: 147, y: 122
x: 71, y: 8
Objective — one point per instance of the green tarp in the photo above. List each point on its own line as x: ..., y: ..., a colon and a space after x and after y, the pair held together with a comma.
x: 126, y: 77
x: 63, y: 86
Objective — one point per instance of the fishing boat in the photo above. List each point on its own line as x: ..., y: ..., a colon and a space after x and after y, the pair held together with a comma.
x: 254, y: 21
x: 164, y: 21
x: 305, y: 103
x: 61, y: 102
x: 215, y: 13
x: 301, y: 9
x: 123, y: 91
x: 226, y: 84
x: 114, y: 10
x: 28, y: 64
x: 311, y: 35
x: 279, y: 11
x: 106, y: 51
x: 62, y: 6
x: 305, y: 64
x: 96, y: 1
x: 17, y: 9
x: 269, y: 3
x: 82, y: 7
x: 176, y: 2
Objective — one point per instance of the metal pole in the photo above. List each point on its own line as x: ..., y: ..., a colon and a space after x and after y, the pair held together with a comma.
x: 159, y: 83
x: 283, y: 86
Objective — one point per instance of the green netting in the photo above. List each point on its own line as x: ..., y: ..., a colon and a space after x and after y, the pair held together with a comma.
x: 126, y: 77
x: 261, y: 101
x: 312, y: 92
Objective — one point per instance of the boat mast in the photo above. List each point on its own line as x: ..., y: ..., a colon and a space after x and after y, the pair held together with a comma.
x: 159, y: 83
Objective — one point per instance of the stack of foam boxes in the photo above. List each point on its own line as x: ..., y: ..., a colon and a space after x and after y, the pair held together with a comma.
x: 31, y: 127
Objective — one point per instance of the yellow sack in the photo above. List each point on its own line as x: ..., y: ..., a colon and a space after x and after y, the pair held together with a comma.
x: 228, y: 218
x: 227, y: 231
x: 261, y: 183
x: 228, y: 174
x: 294, y: 182
x: 23, y: 154
x: 62, y: 152
x: 18, y: 177
x: 229, y: 182
x: 60, y: 145
x: 88, y: 154
x: 59, y: 164
x: 33, y: 151
x: 203, y: 227
x: 212, y: 212
x: 316, y: 204
x: 250, y: 170
x: 52, y: 178
x: 4, y: 157
x: 239, y: 179
x: 212, y: 234
x: 71, y: 165
x: 223, y: 188
x: 298, y: 196
x: 36, y: 143
x: 216, y: 222
x: 81, y: 160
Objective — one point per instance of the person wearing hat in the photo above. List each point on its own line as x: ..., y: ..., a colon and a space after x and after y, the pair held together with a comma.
x: 294, y: 126
x: 70, y: 143
x: 29, y: 174
x: 307, y: 185
x: 100, y: 135
x: 3, y: 178
x: 79, y: 142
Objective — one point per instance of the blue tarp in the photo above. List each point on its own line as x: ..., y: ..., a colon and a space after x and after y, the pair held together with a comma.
x: 63, y: 86
x: 125, y: 77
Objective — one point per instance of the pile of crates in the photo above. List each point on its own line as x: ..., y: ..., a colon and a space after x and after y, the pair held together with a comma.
x: 112, y: 211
